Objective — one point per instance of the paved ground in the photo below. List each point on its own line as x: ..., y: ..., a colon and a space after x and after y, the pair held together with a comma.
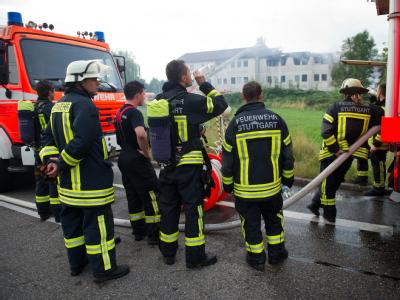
x: 324, y: 261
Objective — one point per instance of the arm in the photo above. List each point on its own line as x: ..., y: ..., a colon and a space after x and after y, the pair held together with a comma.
x: 287, y: 157
x: 49, y: 152
x: 377, y: 115
x: 227, y: 158
x: 141, y: 137
x: 328, y: 130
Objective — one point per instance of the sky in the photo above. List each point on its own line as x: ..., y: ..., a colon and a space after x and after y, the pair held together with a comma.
x: 158, y: 31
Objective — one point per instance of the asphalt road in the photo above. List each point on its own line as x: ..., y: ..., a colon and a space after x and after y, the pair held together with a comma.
x: 325, y: 261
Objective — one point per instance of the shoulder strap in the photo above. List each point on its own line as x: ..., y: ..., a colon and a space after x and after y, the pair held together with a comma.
x: 118, y: 120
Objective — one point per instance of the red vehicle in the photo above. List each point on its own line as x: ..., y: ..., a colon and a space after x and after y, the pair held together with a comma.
x: 27, y: 55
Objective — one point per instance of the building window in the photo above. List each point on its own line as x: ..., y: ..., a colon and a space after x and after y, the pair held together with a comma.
x: 304, y: 78
x: 324, y: 77
x: 232, y: 65
x: 283, y: 79
x: 245, y: 64
x: 225, y: 81
x: 297, y: 78
x: 246, y: 79
x: 269, y: 79
x: 239, y: 64
x: 233, y: 80
x: 219, y: 80
x: 316, y: 77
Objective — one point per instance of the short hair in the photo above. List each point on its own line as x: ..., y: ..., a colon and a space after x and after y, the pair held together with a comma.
x: 382, y: 87
x: 251, y: 90
x: 175, y: 70
x: 132, y: 88
x: 43, y: 88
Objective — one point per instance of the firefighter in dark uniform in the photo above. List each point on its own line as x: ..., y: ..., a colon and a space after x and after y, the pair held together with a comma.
x: 378, y: 151
x: 76, y: 150
x: 138, y: 175
x: 46, y: 196
x: 343, y: 123
x: 257, y: 163
x: 182, y: 183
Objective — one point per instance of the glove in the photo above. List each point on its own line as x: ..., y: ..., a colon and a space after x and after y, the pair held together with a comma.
x: 286, y: 192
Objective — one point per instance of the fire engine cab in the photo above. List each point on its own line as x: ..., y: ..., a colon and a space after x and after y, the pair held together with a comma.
x: 31, y: 52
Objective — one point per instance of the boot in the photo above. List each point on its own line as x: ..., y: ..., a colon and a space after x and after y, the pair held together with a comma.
x: 75, y: 271
x: 277, y: 256
x: 361, y: 180
x: 207, y: 261
x: 169, y: 260
x: 330, y: 213
x: 114, y: 273
x: 153, y: 240
x: 256, y: 261
x: 45, y: 216
x: 375, y: 192
x: 314, y: 208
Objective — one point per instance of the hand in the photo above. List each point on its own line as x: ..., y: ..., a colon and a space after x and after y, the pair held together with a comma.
x: 199, y: 77
x: 286, y: 192
x: 373, y: 149
x: 52, y: 170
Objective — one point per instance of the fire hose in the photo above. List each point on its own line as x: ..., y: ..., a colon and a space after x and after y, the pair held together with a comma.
x: 236, y: 223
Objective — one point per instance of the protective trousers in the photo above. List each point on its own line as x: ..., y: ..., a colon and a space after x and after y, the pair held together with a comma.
x: 141, y: 187
x: 89, y: 235
x: 362, y: 168
x: 378, y: 162
x: 182, y: 186
x: 250, y: 216
x: 326, y: 195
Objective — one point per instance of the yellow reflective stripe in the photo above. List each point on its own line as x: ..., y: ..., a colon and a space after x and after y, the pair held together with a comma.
x: 330, y: 140
x: 74, y: 242
x: 42, y: 199
x: 196, y: 241
x: 96, y: 249
x: 103, y: 243
x: 328, y: 117
x: 242, y: 221
x: 287, y: 140
x: 54, y: 201
x: 343, y: 145
x: 226, y: 146
x: 182, y: 127
x: 86, y: 202
x: 154, y: 202
x: 280, y: 216
x: 257, y: 194
x: 169, y: 238
x: 87, y: 193
x: 244, y: 161
x: 42, y: 121
x: 365, y: 118
x: 258, y: 134
x: 324, y: 153
x: 362, y: 173
x: 381, y: 182
x: 153, y: 219
x: 200, y: 219
x: 378, y: 138
x: 48, y: 150
x: 327, y: 201
x: 276, y: 239
x: 257, y: 187
x: 136, y: 216
x: 255, y: 248
x: 288, y: 173
x: 104, y: 148
x: 69, y: 159
x: 210, y: 105
x: 227, y: 180
x: 193, y: 157
x: 361, y: 152
x: 213, y: 93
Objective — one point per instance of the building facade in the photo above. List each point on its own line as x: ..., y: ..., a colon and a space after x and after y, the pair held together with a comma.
x: 229, y: 69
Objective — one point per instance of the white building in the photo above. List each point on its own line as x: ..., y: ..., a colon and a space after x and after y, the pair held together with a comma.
x: 231, y: 68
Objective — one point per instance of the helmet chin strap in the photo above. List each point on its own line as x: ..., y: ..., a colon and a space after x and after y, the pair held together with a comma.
x: 91, y: 95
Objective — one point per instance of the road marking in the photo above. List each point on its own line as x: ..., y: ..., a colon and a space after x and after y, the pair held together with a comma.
x: 23, y: 210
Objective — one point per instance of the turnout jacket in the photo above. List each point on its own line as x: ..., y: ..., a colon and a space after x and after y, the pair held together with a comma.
x: 376, y: 140
x: 75, y: 137
x: 43, y: 110
x: 257, y: 154
x: 189, y: 112
x: 344, y: 123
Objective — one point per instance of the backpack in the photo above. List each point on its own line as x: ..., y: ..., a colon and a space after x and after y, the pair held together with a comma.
x: 27, y: 121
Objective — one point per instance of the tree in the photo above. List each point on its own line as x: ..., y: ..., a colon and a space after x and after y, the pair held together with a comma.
x: 155, y: 86
x: 132, y: 69
x: 359, y: 47
x: 384, y: 57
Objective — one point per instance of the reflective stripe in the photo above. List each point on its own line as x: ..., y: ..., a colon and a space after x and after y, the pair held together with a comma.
x: 86, y: 202
x: 261, y: 194
x: 276, y: 239
x: 103, y: 243
x: 330, y: 141
x: 381, y: 182
x: 74, y: 242
x: 362, y: 173
x: 194, y: 157
x: 104, y: 148
x: 42, y: 199
x: 152, y: 219
x: 324, y: 153
x: 214, y: 93
x: 69, y: 159
x: 210, y: 105
x: 169, y: 238
x: 54, y: 201
x: 200, y: 219
x: 288, y: 173
x: 280, y: 216
x: 328, y: 117
x: 344, y: 145
x: 87, y: 193
x: 288, y: 140
x: 48, y: 150
x: 227, y: 180
x: 361, y: 152
x: 255, y: 248
x: 96, y: 249
x: 196, y: 241
x: 257, y: 187
x: 137, y: 216
x: 42, y: 121
x: 154, y: 202
x: 181, y: 123
x: 326, y: 201
x: 226, y: 146
x: 257, y: 190
x: 242, y: 221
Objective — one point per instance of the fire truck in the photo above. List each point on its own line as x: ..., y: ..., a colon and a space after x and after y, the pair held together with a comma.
x: 31, y: 52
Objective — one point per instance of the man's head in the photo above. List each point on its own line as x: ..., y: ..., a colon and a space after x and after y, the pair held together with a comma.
x: 134, y: 91
x: 381, y: 91
x: 178, y: 71
x: 251, y: 91
x: 45, y: 90
x: 353, y: 88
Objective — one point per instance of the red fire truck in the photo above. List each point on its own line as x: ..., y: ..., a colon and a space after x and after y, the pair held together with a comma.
x: 29, y: 53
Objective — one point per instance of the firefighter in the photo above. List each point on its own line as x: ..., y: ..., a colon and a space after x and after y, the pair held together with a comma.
x: 138, y: 175
x: 257, y: 164
x: 46, y: 196
x: 76, y: 150
x: 378, y: 151
x: 343, y: 123
x: 182, y: 182
x: 362, y: 171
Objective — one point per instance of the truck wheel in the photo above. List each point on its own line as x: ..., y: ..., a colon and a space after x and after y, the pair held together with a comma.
x: 5, y: 176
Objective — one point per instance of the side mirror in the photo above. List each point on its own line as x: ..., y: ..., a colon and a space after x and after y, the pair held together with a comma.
x: 4, y: 71
x: 120, y: 61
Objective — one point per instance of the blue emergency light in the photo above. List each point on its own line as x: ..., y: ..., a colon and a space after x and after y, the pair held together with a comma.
x: 100, y: 36
x: 14, y: 18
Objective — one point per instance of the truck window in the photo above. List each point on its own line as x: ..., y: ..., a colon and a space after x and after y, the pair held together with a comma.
x: 49, y: 60
x: 12, y: 66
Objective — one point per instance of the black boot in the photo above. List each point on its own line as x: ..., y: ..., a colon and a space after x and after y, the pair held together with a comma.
x: 375, y: 192
x: 277, y: 254
x: 75, y: 271
x: 330, y: 213
x: 256, y: 261
x: 169, y: 260
x: 314, y: 208
x: 153, y: 240
x: 45, y: 216
x: 207, y: 261
x: 114, y: 273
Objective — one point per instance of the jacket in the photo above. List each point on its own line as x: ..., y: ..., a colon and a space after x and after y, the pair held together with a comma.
x: 257, y: 154
x: 75, y: 137
x: 376, y: 140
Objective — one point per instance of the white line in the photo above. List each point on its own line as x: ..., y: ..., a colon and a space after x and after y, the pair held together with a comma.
x: 24, y: 211
x: 339, y: 222
x: 118, y: 185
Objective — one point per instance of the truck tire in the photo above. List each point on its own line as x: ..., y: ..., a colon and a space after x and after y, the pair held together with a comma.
x: 5, y: 176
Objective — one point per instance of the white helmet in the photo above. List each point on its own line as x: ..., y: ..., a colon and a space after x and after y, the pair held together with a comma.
x: 80, y: 70
x: 351, y: 86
